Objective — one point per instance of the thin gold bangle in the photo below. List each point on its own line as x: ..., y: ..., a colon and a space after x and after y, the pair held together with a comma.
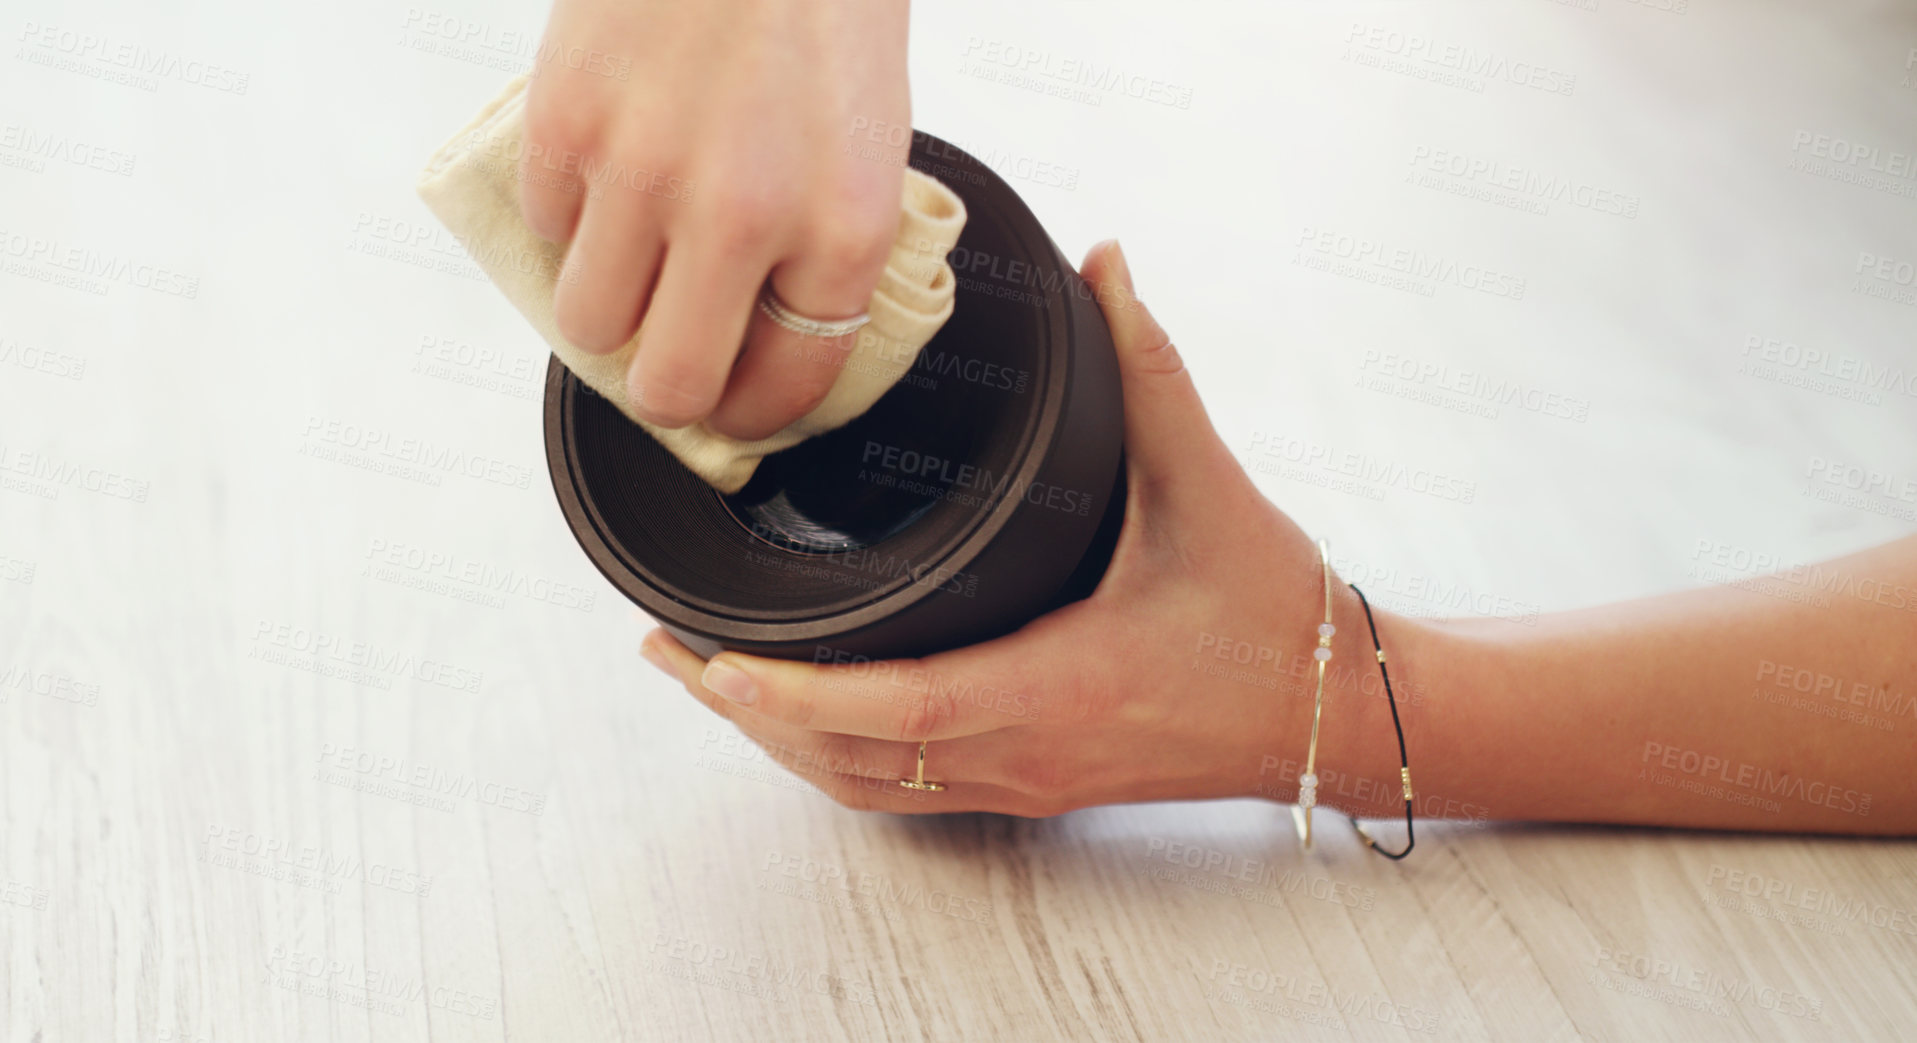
x: 1308, y: 782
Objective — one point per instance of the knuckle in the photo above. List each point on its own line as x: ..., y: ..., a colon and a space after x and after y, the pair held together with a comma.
x: 558, y: 122
x: 926, y: 711
x: 852, y: 252
x: 673, y: 401
x: 744, y: 219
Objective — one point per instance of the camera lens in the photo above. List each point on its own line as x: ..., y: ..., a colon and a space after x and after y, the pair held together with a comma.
x: 982, y: 487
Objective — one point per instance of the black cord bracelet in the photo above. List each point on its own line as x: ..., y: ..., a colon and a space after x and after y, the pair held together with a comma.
x: 1404, y: 759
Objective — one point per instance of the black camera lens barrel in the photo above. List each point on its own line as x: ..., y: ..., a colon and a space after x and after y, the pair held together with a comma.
x: 984, y: 489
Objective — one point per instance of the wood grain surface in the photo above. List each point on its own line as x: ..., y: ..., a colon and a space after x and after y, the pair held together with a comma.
x: 315, y: 724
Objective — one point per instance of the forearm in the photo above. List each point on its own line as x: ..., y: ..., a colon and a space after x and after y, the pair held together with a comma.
x: 1789, y: 705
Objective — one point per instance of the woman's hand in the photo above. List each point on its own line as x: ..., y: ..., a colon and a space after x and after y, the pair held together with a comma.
x: 1121, y: 697
x: 690, y: 150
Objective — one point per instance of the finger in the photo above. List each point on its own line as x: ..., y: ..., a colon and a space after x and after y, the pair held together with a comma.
x: 549, y: 200
x: 550, y: 195
x: 694, y: 329
x: 780, y: 377
x: 903, y: 700
x: 608, y: 273
x: 983, y: 758
x: 1169, y: 439
x: 823, y: 751
x: 942, y: 697
x: 854, y: 771
x: 782, y: 374
x: 864, y: 794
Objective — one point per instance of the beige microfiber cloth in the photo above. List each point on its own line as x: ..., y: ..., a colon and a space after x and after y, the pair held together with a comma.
x: 472, y: 185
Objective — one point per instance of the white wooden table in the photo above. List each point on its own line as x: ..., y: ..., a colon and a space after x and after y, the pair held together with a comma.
x: 300, y: 744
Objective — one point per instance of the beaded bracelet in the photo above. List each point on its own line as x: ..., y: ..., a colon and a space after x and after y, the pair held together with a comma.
x: 1308, y: 782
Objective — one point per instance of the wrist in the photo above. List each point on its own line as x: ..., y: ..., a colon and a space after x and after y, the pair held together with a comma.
x: 1357, y: 763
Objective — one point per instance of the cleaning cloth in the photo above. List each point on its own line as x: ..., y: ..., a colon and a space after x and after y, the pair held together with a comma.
x: 472, y: 185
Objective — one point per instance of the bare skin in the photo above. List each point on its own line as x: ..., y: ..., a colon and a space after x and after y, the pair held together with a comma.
x: 1187, y: 675
x: 690, y: 152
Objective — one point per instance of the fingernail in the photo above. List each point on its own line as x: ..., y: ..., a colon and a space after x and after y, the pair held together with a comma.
x: 1124, y: 268
x: 654, y: 656
x: 730, y: 681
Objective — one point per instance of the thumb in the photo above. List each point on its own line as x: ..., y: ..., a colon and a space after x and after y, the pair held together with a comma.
x: 1169, y: 439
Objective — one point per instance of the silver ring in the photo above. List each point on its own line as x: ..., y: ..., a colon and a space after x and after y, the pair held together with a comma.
x: 776, y: 310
